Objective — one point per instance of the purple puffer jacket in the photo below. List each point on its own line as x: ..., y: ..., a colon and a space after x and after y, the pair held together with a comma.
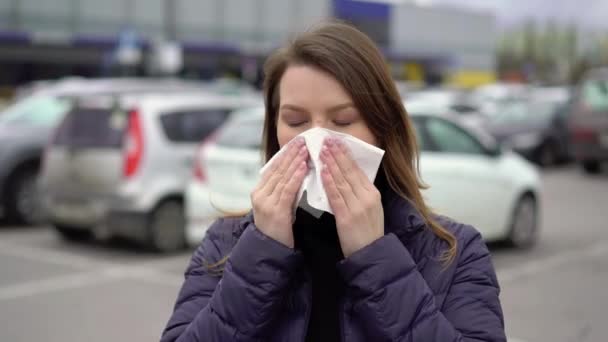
x: 397, y: 288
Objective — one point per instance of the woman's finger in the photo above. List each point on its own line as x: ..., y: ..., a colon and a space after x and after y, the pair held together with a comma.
x: 351, y: 171
x: 339, y: 178
x: 336, y: 201
x: 365, y: 182
x: 292, y: 152
x: 269, y: 172
x: 301, y: 157
x: 289, y: 192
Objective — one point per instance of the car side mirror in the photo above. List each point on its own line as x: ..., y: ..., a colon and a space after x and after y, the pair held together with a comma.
x: 495, y: 150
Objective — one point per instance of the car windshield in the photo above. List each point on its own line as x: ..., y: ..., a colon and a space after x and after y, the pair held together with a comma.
x: 595, y: 94
x: 242, y: 133
x: 36, y: 110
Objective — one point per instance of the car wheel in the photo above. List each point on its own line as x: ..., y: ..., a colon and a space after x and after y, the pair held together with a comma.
x: 24, y: 204
x: 72, y: 233
x: 166, y: 227
x: 524, y: 223
x: 592, y: 166
x: 547, y: 156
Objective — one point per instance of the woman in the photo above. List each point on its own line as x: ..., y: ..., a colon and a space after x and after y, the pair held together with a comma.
x: 382, y: 269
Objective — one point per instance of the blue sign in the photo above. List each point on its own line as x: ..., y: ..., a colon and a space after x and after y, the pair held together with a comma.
x: 357, y: 9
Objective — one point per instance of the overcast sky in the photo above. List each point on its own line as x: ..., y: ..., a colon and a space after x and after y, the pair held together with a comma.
x: 587, y: 13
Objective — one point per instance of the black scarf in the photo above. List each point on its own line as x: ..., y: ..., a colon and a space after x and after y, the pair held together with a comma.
x: 318, y: 241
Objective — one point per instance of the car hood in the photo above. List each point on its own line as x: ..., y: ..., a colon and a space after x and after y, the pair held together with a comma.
x: 528, y: 174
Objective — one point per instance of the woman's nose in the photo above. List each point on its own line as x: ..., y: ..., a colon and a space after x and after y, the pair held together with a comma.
x: 319, y: 123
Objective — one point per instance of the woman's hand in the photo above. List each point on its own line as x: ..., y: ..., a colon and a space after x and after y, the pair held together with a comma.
x: 274, y: 197
x: 355, y: 201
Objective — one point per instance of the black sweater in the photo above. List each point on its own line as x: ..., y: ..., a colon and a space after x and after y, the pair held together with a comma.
x: 318, y: 241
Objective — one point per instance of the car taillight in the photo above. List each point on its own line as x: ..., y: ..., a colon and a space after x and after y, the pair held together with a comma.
x: 199, y: 172
x: 583, y: 134
x: 134, y: 147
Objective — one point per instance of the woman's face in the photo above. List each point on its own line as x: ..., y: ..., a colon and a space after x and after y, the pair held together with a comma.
x: 311, y: 98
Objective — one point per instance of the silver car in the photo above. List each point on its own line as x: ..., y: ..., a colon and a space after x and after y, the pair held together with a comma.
x: 118, y: 166
x: 28, y: 123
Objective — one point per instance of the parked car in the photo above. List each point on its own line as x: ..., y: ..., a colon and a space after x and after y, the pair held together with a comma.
x: 118, y: 165
x: 441, y: 100
x: 537, y: 128
x: 489, y: 98
x: 27, y: 125
x: 588, y: 122
x: 472, y: 179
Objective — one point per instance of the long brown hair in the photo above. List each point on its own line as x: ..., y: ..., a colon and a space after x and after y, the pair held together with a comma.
x: 350, y: 57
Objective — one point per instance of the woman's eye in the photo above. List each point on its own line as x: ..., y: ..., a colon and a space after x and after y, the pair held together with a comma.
x: 342, y: 123
x: 295, y: 124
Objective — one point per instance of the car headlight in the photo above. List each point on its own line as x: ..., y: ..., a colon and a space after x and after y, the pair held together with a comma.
x: 524, y: 140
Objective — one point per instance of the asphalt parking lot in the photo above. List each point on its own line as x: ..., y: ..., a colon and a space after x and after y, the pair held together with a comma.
x: 52, y: 290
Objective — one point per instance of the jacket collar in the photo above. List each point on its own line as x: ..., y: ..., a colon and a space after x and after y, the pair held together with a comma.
x: 400, y: 216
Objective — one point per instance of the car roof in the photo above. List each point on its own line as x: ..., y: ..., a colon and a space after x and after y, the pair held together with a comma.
x: 162, y: 100
x: 77, y: 86
x: 550, y: 94
x: 158, y: 101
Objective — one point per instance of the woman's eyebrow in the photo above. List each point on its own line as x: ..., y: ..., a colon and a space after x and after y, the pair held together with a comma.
x: 332, y: 109
x: 293, y: 107
x: 339, y: 107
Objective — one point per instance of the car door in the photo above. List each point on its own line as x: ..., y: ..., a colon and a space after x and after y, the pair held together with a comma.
x: 465, y: 181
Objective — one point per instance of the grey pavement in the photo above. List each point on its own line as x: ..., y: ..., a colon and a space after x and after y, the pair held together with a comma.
x: 52, y: 290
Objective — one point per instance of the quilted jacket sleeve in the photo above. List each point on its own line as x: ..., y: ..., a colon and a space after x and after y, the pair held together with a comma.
x: 393, y: 302
x: 241, y: 304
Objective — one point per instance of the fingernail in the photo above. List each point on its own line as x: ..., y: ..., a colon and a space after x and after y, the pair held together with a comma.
x: 334, y: 145
x: 324, y: 150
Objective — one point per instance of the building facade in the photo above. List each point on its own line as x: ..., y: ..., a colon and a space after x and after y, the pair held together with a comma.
x: 54, y: 38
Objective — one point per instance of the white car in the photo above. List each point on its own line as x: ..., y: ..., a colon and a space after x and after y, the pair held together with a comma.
x: 471, y: 179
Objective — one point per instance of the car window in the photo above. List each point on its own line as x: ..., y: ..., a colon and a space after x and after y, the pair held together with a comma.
x: 192, y: 125
x: 92, y: 127
x: 242, y: 134
x: 37, y: 110
x: 451, y: 138
x: 595, y: 94
x: 423, y: 144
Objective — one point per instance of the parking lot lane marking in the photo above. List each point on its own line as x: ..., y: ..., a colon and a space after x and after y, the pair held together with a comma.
x: 68, y: 282
x: 534, y: 267
x: 170, y: 261
x: 52, y: 257
x: 511, y: 339
x: 155, y: 276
